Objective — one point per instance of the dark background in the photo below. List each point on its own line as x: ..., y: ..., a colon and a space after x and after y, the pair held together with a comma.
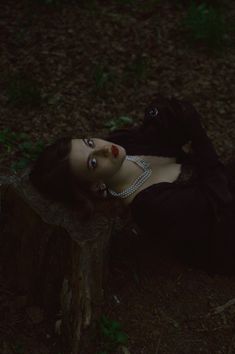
x: 69, y: 68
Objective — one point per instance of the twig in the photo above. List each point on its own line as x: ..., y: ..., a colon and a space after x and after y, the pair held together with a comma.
x: 231, y: 345
x: 221, y: 308
x: 211, y: 329
x: 159, y: 340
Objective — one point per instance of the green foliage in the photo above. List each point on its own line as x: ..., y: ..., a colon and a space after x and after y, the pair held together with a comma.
x: 118, y: 123
x: 126, y: 2
x: 89, y: 4
x: 138, y: 68
x: 103, y: 77
x: 23, y: 91
x: 47, y: 2
x: 144, y: 4
x: 26, y: 149
x: 111, y: 335
x: 205, y: 24
x: 18, y: 348
x: 150, y: 4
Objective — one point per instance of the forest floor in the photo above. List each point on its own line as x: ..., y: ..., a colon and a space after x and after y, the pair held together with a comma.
x: 68, y: 68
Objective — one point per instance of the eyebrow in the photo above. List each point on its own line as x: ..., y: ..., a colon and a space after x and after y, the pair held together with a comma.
x: 87, y: 163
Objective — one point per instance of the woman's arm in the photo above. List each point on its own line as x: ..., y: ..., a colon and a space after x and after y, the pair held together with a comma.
x: 171, y: 125
x: 163, y: 125
x: 201, y: 146
x: 174, y: 122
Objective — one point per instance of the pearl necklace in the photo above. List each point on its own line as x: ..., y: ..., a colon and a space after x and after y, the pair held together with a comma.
x: 139, y: 181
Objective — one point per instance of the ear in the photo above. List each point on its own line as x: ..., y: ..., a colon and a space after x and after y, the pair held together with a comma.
x: 99, y: 189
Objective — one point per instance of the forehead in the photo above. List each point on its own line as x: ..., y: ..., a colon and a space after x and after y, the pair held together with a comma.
x: 78, y: 155
x: 77, y: 146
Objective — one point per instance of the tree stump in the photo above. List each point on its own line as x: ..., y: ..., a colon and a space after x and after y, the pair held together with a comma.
x: 59, y: 262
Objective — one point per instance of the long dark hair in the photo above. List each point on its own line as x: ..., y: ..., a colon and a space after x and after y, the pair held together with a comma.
x: 52, y: 176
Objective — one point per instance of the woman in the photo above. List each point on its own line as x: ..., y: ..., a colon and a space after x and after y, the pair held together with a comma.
x: 180, y: 195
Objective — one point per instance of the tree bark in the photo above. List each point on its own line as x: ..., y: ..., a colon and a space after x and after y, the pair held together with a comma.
x: 58, y: 261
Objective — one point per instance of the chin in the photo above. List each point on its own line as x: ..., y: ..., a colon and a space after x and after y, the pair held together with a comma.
x: 124, y: 153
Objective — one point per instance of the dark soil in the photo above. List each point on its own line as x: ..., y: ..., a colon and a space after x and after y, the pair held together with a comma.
x: 50, y: 59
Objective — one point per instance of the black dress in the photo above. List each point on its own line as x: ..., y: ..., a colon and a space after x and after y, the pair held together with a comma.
x: 195, y: 215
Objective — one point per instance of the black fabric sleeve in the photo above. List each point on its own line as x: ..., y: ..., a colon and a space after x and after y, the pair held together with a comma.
x: 212, y: 172
x: 204, y: 152
x: 124, y: 136
x: 162, y: 123
x: 175, y: 122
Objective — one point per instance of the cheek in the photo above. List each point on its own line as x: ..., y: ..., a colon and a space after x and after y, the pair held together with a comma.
x: 106, y: 168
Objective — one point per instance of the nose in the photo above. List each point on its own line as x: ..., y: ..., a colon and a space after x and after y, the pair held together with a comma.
x: 104, y: 151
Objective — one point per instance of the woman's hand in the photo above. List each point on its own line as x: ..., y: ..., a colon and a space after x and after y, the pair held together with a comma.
x: 163, y: 122
x: 171, y: 121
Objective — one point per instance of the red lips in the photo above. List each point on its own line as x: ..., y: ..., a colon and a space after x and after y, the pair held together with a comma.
x: 115, y: 151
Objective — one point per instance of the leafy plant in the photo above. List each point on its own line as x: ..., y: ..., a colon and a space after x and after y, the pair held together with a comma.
x: 149, y: 5
x: 138, y: 68
x: 125, y: 2
x: 22, y: 90
x: 18, y: 348
x: 102, y: 76
x: 112, y: 335
x: 118, y: 123
x: 27, y: 150
x: 205, y: 24
x: 90, y: 5
x: 47, y: 2
x: 145, y: 5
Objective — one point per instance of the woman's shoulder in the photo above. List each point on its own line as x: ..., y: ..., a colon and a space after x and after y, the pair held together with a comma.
x: 123, y: 133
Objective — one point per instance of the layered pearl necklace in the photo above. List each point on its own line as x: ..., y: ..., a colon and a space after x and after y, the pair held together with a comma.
x: 139, y: 181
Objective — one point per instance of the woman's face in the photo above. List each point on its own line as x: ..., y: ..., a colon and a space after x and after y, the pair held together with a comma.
x: 96, y: 160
